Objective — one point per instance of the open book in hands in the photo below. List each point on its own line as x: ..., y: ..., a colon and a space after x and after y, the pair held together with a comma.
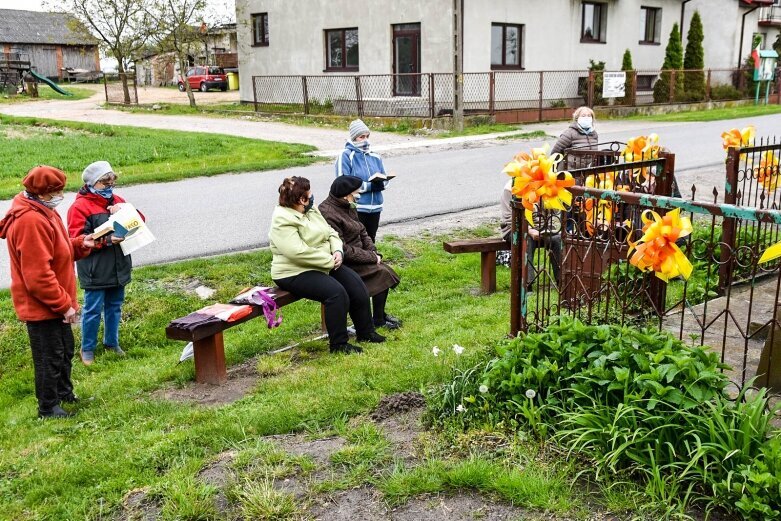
x: 383, y: 177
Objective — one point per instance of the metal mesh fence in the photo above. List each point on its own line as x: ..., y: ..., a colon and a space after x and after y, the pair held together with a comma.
x: 121, y: 89
x: 537, y: 95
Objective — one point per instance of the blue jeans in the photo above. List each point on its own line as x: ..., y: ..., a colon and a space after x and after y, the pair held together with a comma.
x: 96, y: 302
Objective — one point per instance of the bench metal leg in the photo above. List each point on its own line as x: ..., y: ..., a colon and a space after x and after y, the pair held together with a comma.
x: 210, y: 360
x: 488, y: 272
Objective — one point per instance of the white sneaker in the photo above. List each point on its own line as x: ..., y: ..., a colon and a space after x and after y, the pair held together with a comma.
x: 351, y: 330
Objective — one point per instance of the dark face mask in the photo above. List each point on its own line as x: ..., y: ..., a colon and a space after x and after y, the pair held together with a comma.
x: 310, y: 204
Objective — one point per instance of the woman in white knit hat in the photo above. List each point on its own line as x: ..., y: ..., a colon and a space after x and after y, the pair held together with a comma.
x: 358, y: 160
x: 105, y: 272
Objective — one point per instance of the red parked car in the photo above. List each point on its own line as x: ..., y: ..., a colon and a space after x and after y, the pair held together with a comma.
x: 204, y: 78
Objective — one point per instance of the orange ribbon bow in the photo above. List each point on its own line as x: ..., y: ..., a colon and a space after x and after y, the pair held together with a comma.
x: 537, y: 181
x: 738, y: 138
x: 656, y: 250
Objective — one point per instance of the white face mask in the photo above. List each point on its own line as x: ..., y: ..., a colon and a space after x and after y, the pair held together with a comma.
x: 585, y: 122
x: 53, y: 202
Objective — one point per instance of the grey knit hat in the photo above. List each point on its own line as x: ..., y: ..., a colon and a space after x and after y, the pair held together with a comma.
x: 357, y: 128
x: 95, y: 171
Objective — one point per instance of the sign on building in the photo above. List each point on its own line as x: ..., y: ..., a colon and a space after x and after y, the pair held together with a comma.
x: 613, y: 84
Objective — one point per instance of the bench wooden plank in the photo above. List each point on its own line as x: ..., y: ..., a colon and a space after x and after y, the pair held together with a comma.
x: 492, y: 244
x: 487, y: 249
x: 281, y: 297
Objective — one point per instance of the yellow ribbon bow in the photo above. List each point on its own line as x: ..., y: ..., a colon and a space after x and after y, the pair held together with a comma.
x: 641, y: 148
x: 767, y: 171
x: 656, y: 250
x: 738, y: 138
x: 537, y: 181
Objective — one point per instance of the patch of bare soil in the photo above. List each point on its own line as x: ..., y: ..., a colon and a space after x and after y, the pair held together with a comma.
x: 350, y: 505
x: 460, y: 507
x: 399, y: 417
x: 218, y: 474
x: 139, y: 506
x: 242, y: 379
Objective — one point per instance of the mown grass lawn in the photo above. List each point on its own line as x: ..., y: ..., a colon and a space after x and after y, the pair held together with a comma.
x: 745, y: 111
x: 138, y: 155
x: 123, y: 438
x: 47, y: 93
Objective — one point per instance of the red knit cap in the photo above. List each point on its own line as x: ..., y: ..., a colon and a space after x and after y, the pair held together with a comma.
x: 44, y: 180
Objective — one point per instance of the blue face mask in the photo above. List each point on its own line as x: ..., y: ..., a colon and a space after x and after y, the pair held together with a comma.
x: 310, y: 204
x: 105, y: 193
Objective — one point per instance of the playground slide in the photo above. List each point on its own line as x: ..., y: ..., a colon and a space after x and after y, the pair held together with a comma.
x: 50, y: 83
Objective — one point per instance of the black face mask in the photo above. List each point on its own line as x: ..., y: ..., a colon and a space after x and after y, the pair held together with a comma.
x: 310, y: 204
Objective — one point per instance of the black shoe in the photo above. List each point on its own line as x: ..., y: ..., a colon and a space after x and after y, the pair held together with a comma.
x: 372, y: 337
x: 392, y: 319
x: 345, y: 348
x: 387, y: 324
x: 55, y: 412
x: 70, y: 399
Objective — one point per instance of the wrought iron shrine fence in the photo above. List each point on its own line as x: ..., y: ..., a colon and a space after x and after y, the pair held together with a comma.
x: 577, y: 266
x: 524, y: 95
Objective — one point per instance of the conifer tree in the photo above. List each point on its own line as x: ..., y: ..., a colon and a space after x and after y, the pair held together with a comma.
x: 673, y: 60
x: 626, y: 65
x: 694, y: 61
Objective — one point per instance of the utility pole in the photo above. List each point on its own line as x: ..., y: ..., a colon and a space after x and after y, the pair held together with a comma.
x: 458, y: 64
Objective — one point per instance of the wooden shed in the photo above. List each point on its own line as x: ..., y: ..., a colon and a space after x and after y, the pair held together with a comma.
x: 52, y: 42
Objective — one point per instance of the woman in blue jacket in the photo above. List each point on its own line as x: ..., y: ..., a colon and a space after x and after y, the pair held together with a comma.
x: 358, y: 160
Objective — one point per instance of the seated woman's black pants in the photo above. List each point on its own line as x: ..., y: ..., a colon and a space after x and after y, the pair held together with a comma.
x: 340, y: 291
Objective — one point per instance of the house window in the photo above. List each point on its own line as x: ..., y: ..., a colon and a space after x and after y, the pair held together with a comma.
x: 650, y: 24
x: 341, y: 47
x: 645, y: 81
x: 259, y: 29
x: 594, y: 22
x: 506, y: 46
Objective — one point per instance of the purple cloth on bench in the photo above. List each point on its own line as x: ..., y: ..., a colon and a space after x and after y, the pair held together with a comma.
x: 193, y: 321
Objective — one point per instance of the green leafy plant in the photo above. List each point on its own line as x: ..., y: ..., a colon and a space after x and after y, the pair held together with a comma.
x: 558, y: 104
x: 639, y: 404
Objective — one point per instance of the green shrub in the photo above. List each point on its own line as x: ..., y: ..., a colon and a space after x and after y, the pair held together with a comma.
x: 694, y: 61
x: 626, y: 65
x: 598, y: 69
x: 558, y: 104
x: 725, y: 92
x: 673, y: 60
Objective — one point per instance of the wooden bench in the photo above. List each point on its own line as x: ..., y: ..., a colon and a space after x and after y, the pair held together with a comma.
x: 208, y: 346
x: 487, y: 249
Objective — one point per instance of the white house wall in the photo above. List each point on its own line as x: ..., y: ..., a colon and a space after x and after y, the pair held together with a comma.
x: 551, y: 42
x: 297, y: 39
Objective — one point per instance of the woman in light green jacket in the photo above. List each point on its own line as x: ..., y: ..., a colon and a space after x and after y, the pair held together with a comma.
x: 307, y: 261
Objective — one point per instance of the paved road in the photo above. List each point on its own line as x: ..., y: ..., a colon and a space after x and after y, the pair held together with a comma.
x: 227, y: 213
x: 91, y: 111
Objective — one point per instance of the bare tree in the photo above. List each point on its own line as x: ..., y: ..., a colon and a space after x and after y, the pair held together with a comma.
x: 178, y: 25
x: 123, y: 26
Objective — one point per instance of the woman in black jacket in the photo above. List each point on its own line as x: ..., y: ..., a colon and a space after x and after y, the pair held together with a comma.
x: 360, y: 253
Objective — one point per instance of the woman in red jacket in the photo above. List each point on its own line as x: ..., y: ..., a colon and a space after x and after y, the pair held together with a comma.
x: 105, y: 272
x: 43, y: 283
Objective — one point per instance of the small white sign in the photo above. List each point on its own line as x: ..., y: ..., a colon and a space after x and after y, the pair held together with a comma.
x: 613, y: 84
